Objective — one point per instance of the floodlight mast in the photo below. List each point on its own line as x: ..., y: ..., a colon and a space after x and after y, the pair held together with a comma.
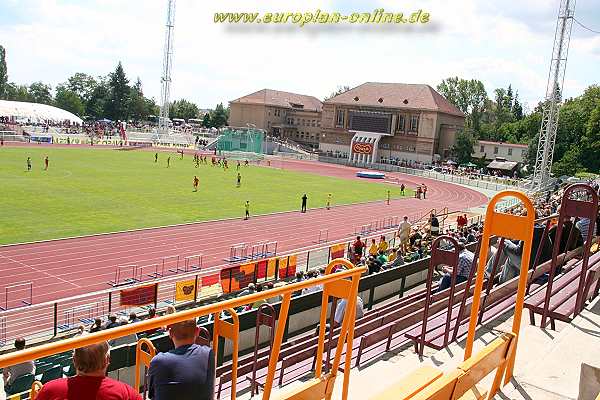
x: 165, y: 80
x: 556, y: 77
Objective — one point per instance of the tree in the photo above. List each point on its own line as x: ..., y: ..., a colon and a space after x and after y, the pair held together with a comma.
x: 96, y: 106
x: 69, y: 100
x: 517, y: 109
x: 40, y: 93
x: 17, y: 92
x: 569, y: 164
x: 183, y: 109
x: 219, y: 116
x: 463, y: 149
x: 3, y: 73
x: 138, y: 105
x: 117, y: 107
x: 469, y: 96
x: 81, y: 84
x: 206, y: 121
x: 338, y: 91
x: 590, y: 144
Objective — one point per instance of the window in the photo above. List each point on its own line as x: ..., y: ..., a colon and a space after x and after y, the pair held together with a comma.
x: 414, y: 123
x: 314, y: 122
x: 400, y: 124
x: 510, y: 152
x: 340, y: 118
x: 495, y: 149
x: 482, y: 149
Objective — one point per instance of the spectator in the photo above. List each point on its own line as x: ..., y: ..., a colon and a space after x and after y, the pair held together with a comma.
x: 398, y: 261
x: 185, y: 373
x: 128, y: 339
x: 91, y: 381
x: 271, y: 300
x: 434, y: 224
x: 383, y: 244
x: 404, y: 234
x: 14, y: 371
x: 358, y: 247
x: 576, y: 239
x: 583, y: 225
x: 382, y: 258
x: 257, y: 303
x: 97, y: 326
x: 251, y: 288
x: 465, y: 262
x: 373, y: 249
x: 133, y: 318
x: 340, y: 310
x: 112, y: 322
x: 151, y: 315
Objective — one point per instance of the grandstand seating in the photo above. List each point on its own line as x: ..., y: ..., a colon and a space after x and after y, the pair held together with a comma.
x: 460, y: 383
x: 425, y: 317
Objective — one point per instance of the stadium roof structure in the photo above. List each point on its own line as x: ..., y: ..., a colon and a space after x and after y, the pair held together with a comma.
x: 35, y: 112
x: 397, y: 95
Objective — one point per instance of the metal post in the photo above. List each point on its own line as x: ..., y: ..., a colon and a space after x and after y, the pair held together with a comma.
x: 55, y: 319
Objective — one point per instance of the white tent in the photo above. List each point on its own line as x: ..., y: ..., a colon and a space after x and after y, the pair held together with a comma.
x: 35, y: 113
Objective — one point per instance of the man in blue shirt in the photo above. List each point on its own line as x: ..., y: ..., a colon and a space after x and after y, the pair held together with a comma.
x: 185, y: 373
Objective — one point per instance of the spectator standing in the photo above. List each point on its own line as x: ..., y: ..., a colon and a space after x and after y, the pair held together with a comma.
x: 186, y: 372
x: 14, y: 371
x: 91, y: 381
x: 404, y: 234
x: 358, y: 247
x: 434, y: 224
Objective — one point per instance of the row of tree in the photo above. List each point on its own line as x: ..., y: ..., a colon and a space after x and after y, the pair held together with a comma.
x: 110, y: 96
x: 503, y: 119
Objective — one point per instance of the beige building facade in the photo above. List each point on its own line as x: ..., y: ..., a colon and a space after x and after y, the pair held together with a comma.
x: 492, y: 150
x: 376, y: 122
x: 281, y: 114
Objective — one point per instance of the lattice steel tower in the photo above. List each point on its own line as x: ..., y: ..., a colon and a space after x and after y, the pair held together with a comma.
x: 165, y: 80
x: 556, y: 76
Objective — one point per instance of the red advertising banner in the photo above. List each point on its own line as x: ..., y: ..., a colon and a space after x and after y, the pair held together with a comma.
x: 362, y: 148
x: 140, y: 296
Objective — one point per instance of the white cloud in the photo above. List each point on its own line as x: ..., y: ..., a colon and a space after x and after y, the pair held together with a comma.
x: 499, y: 43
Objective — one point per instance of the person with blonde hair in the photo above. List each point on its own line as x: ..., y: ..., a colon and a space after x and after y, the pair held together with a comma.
x: 90, y: 382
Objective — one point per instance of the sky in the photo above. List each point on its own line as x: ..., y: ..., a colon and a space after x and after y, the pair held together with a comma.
x: 499, y: 42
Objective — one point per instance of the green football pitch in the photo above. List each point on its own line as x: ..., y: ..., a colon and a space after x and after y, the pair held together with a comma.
x: 88, y: 191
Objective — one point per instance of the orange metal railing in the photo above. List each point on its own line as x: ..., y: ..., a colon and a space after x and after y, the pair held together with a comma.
x: 343, y: 283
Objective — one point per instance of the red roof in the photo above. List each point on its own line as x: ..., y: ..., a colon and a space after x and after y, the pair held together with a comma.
x: 397, y: 95
x: 278, y: 98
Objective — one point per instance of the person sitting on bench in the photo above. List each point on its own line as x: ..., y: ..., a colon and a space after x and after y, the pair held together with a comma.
x: 465, y: 262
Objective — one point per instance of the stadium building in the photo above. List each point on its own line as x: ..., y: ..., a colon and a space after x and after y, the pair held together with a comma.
x: 281, y: 114
x: 376, y: 122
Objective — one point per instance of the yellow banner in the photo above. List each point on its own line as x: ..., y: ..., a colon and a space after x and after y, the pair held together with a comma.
x: 185, y: 290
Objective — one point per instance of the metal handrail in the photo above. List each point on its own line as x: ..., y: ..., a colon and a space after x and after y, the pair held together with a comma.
x: 44, y: 350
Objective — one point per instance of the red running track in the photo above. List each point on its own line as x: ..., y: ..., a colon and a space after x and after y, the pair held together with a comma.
x: 68, y: 267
